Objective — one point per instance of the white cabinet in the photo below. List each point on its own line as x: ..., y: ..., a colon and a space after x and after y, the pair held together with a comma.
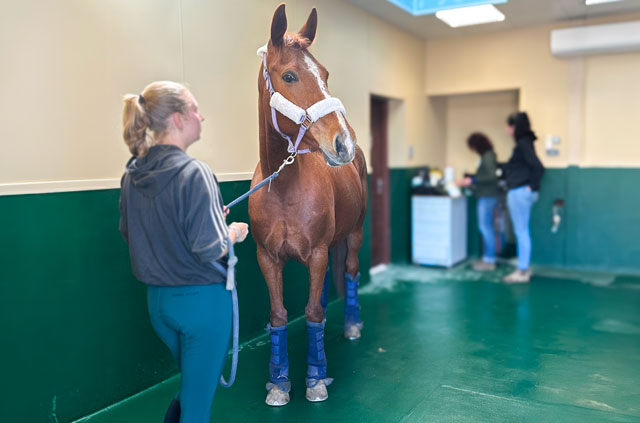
x: 438, y: 230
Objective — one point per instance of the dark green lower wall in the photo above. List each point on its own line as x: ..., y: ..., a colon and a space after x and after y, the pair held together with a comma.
x: 601, y: 220
x: 600, y: 224
x: 73, y: 317
x: 76, y: 335
x: 400, y: 214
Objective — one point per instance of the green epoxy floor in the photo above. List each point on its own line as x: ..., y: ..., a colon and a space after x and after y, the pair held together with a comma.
x: 453, y: 345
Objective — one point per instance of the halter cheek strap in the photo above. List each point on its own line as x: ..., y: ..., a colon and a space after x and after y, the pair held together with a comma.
x: 300, y: 116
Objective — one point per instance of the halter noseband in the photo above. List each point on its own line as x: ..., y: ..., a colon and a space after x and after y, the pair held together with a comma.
x: 300, y: 116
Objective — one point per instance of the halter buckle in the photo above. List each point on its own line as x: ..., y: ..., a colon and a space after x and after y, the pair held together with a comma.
x: 306, y: 122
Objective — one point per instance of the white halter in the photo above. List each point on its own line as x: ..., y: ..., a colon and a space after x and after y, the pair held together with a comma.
x: 300, y: 116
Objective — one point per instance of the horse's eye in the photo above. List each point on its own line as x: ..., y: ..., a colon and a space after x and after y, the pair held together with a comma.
x: 289, y: 77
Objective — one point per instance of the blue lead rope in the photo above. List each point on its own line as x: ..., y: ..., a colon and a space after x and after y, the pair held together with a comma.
x: 246, y: 195
x: 231, y: 279
x: 231, y: 286
x: 231, y: 273
x: 289, y: 160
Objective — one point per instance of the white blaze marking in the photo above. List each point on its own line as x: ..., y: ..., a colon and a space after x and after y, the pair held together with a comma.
x: 316, y: 72
x: 313, y: 68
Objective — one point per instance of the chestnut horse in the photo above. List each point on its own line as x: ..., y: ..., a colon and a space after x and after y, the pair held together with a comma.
x: 318, y: 201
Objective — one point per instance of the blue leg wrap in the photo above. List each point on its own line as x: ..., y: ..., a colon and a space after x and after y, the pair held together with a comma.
x: 324, y: 299
x: 279, y: 363
x: 351, y: 306
x: 316, y: 359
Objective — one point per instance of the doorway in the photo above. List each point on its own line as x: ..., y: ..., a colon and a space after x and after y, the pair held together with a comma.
x: 379, y: 188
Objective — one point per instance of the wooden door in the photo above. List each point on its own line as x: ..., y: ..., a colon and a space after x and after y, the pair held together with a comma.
x: 379, y: 194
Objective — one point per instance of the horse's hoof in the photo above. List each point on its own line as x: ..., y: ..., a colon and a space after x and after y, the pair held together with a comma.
x: 352, y: 332
x: 318, y: 393
x: 277, y: 397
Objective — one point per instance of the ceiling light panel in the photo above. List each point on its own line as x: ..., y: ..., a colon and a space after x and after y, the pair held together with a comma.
x: 467, y: 16
x: 592, y: 2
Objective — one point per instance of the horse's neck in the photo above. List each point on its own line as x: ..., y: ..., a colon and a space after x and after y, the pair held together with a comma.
x: 273, y: 152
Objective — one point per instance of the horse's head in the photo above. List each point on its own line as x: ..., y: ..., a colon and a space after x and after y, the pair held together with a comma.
x: 302, y: 80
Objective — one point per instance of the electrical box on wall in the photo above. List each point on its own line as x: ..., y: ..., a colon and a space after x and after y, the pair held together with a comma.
x: 551, y: 142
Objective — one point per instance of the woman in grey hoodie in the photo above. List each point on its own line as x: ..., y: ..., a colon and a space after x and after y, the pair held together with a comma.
x: 173, y: 219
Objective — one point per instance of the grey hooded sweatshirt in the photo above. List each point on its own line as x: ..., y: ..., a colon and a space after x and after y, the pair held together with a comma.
x: 172, y: 218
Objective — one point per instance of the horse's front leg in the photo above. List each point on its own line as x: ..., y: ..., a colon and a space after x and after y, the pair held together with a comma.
x: 316, y: 380
x: 279, y: 385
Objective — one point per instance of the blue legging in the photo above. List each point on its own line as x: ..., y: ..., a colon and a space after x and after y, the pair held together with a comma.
x: 195, y: 323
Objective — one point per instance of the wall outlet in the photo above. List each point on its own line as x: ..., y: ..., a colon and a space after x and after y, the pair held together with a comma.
x: 551, y: 152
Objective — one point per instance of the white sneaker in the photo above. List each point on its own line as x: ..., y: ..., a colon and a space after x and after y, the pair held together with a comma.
x: 519, y: 276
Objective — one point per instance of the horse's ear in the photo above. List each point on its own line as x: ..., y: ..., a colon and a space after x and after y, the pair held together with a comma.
x: 309, y: 28
x: 278, y: 26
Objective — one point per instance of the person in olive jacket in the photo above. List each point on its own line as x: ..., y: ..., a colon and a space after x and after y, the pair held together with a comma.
x: 523, y: 174
x: 484, y: 185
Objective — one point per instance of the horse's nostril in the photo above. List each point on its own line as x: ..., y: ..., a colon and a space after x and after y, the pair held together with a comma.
x: 341, y: 149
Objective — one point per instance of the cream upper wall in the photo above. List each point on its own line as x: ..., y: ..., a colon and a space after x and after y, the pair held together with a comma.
x: 611, y: 111
x: 518, y: 60
x: 484, y: 113
x: 584, y: 100
x: 67, y: 64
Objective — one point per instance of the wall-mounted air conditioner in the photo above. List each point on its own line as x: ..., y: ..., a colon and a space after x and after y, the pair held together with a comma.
x: 596, y: 39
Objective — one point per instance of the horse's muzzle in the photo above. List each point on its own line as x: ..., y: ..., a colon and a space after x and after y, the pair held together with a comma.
x: 344, y: 151
x: 339, y: 160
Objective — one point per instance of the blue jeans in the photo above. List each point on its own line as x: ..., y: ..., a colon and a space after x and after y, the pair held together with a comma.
x: 195, y: 323
x: 520, y: 200
x: 486, y: 206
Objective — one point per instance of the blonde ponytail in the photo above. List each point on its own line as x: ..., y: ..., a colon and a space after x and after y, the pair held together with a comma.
x: 150, y: 111
x: 135, y: 123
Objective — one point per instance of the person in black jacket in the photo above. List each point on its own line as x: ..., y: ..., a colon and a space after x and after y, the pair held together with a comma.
x: 173, y: 218
x: 523, y: 173
x: 484, y: 185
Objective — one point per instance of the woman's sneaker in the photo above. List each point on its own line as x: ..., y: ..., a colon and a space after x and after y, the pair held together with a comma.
x: 519, y: 276
x: 483, y: 266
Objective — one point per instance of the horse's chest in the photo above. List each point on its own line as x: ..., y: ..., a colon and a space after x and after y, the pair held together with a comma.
x: 292, y: 229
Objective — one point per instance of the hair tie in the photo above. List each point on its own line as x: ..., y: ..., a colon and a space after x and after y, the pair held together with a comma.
x: 141, y: 99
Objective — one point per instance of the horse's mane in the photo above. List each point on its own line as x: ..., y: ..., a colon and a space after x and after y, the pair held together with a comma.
x: 296, y: 41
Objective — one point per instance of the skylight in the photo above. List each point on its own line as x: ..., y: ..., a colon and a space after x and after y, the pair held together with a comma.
x: 428, y: 7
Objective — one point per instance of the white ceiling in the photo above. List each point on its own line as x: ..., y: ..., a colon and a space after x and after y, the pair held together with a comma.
x: 519, y: 13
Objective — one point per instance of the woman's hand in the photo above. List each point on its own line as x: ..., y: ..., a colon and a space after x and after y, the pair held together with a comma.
x: 225, y: 210
x: 241, y: 230
x: 464, y: 182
